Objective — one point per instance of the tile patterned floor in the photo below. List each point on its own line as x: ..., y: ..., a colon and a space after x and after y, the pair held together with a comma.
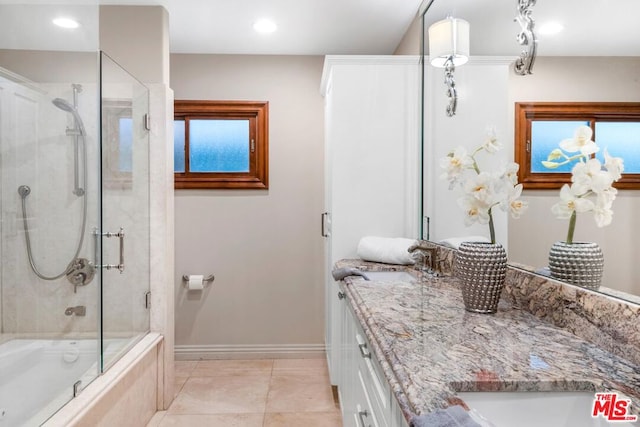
x: 251, y: 393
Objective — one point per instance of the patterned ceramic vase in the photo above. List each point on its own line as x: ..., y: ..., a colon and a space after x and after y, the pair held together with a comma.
x: 481, y: 268
x: 578, y: 263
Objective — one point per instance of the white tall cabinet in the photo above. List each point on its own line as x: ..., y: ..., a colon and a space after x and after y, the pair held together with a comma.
x: 372, y: 158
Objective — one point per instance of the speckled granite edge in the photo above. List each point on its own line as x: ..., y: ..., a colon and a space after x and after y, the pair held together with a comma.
x: 385, y: 357
x: 608, y: 322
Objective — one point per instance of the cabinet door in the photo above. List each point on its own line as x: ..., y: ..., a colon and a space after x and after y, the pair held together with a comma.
x: 372, y: 149
x: 371, y: 125
x: 363, y: 415
x: 359, y: 409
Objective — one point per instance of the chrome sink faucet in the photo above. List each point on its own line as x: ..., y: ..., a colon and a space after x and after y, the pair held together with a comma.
x: 427, y: 253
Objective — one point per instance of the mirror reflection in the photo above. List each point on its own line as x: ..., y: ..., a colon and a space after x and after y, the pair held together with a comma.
x: 584, y: 54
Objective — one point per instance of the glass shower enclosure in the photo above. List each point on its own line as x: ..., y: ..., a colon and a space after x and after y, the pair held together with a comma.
x: 74, y: 209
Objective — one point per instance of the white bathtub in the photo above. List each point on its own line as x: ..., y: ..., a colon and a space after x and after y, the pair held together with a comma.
x: 37, y: 376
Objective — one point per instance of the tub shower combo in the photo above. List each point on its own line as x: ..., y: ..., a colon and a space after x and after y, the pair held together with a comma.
x: 74, y: 176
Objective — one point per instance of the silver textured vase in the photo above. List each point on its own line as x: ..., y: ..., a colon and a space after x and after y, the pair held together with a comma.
x: 482, y: 269
x: 578, y: 263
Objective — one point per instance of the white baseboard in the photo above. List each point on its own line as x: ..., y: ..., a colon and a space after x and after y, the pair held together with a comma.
x: 260, y: 351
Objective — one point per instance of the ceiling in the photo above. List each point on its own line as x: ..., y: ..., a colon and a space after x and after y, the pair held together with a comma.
x: 320, y: 27
x: 591, y: 27
x: 305, y: 27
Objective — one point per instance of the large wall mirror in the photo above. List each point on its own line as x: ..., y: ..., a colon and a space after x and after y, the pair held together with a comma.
x: 586, y: 52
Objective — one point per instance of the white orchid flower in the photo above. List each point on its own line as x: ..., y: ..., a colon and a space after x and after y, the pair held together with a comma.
x: 510, y: 173
x: 481, y: 187
x: 602, y: 215
x: 570, y: 202
x: 476, y: 211
x: 491, y: 143
x: 581, y: 142
x: 483, y: 190
x: 605, y: 198
x: 589, y: 176
x: 455, y: 164
x: 615, y: 165
x: 513, y: 204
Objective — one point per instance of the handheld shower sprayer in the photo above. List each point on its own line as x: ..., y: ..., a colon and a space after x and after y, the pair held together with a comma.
x: 79, y: 140
x: 77, y: 131
x: 64, y: 105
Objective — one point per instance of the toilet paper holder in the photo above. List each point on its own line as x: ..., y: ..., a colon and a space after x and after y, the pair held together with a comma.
x: 210, y: 278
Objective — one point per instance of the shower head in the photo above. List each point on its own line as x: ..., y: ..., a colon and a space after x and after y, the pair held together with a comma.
x: 64, y: 105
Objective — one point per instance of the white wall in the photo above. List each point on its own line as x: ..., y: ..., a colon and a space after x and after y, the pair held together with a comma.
x: 482, y: 103
x: 530, y: 237
x: 263, y: 246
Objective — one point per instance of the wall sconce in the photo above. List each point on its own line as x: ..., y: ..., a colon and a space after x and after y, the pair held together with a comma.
x: 448, y: 47
x: 526, y: 37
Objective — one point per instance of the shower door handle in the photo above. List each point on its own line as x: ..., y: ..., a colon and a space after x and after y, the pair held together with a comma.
x: 120, y: 236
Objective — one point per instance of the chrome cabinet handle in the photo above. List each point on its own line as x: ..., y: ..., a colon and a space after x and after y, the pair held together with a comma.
x: 363, y: 351
x: 341, y: 295
x: 362, y: 414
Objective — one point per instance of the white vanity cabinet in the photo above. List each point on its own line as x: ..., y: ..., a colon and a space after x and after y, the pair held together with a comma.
x: 372, y: 157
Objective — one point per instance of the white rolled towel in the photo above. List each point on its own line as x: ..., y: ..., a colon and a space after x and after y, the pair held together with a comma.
x: 454, y: 242
x: 388, y: 250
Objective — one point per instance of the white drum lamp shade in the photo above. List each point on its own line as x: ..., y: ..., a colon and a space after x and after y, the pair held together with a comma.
x: 449, y: 38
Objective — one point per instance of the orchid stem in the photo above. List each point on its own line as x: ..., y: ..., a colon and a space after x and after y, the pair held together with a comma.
x: 492, y: 230
x: 572, y: 227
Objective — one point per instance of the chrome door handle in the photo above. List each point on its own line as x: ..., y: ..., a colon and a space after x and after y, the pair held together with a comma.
x: 323, y: 227
x: 120, y: 236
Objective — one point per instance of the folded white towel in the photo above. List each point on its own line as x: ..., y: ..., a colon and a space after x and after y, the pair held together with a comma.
x: 389, y: 250
x: 454, y: 242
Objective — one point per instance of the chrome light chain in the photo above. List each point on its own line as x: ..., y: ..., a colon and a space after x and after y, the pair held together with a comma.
x: 526, y: 37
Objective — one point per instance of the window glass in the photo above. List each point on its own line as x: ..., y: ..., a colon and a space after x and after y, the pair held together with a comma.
x: 221, y: 144
x: 621, y: 139
x: 178, y: 146
x: 546, y: 137
x: 218, y: 145
x: 541, y: 126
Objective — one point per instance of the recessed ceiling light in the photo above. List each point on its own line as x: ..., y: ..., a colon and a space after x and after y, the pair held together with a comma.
x: 550, y: 28
x: 264, y: 26
x: 66, y: 22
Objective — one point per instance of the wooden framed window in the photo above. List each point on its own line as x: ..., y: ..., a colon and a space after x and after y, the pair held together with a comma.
x: 221, y: 144
x: 540, y: 126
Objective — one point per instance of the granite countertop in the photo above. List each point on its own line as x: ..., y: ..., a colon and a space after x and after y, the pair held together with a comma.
x: 430, y: 348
